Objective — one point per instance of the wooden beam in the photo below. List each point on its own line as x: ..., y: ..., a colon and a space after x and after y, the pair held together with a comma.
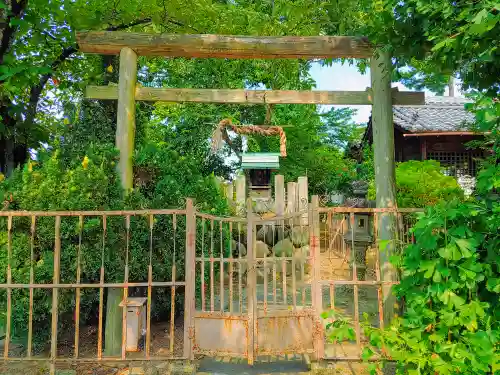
x: 224, y: 46
x: 437, y: 134
x: 253, y: 96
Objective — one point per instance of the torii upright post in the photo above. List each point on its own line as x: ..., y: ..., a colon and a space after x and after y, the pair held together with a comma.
x: 383, y: 148
x: 125, y: 138
x: 125, y: 125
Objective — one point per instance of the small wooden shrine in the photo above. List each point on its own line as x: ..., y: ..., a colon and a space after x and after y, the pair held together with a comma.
x: 258, y: 168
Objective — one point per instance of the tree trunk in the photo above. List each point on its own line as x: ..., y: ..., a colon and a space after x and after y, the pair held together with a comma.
x: 12, y: 153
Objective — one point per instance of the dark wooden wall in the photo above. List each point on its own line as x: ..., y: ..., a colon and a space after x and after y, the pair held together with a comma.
x: 417, y: 148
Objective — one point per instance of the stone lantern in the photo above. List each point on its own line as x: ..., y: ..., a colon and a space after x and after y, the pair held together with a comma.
x: 360, y: 231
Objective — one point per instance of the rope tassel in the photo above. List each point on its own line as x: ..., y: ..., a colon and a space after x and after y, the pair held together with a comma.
x: 220, y: 133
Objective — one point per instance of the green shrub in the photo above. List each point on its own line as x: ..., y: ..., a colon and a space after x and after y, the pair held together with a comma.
x: 450, y: 288
x: 421, y: 184
x: 90, y: 183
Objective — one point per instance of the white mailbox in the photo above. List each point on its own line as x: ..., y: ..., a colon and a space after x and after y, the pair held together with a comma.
x: 136, y: 321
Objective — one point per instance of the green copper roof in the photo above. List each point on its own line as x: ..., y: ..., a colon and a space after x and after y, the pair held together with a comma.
x: 261, y: 160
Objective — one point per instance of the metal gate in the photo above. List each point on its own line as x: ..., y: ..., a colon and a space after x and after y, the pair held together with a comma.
x: 257, y: 282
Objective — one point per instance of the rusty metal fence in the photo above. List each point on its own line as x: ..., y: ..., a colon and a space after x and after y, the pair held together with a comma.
x: 255, y: 290
x: 54, y: 273
x: 207, y: 281
x: 351, y: 281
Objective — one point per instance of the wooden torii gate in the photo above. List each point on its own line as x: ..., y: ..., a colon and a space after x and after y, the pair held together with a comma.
x: 380, y: 96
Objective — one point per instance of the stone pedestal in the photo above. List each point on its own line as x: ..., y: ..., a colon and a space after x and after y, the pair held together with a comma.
x: 359, y: 248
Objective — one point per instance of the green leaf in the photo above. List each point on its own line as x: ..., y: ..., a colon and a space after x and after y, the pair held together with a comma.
x: 437, y: 277
x: 367, y: 353
x: 428, y: 267
x: 451, y: 299
x: 450, y: 252
x: 493, y: 285
x: 440, y: 45
x: 466, y: 246
x: 480, y: 16
x: 373, y: 369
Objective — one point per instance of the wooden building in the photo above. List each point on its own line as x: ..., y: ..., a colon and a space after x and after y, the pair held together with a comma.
x: 438, y: 130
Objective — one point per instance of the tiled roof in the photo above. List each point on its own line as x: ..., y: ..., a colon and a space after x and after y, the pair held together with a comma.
x: 439, y: 114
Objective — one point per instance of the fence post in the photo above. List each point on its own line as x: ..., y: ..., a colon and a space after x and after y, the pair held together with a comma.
x: 190, y: 279
x: 383, y: 148
x: 240, y: 195
x: 55, y: 293
x: 291, y: 197
x: 303, y: 197
x: 279, y: 194
x: 317, y: 298
x: 251, y: 281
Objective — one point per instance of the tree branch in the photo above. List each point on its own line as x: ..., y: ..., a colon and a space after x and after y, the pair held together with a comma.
x: 36, y: 90
x: 230, y: 143
x: 17, y: 10
x: 124, y: 26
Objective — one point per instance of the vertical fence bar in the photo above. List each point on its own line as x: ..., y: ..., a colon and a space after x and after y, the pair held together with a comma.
x: 189, y: 303
x: 302, y: 271
x: 380, y: 298
x: 150, y: 288
x: 274, y: 266
x: 212, y: 297
x: 172, y: 288
x: 355, y: 287
x: 240, y: 257
x: 316, y: 289
x: 9, y: 290
x: 283, y: 266
x: 221, y: 270
x: 294, y: 271
x: 251, y: 295
x: 279, y: 197
x: 55, y: 292
x: 265, y: 270
x: 125, y: 289
x: 202, y: 281
x: 101, y: 290
x: 329, y: 240
x: 32, y: 281
x: 230, y: 242
x: 78, y: 291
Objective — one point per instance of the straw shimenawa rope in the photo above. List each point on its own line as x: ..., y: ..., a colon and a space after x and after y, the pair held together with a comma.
x: 220, y: 133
